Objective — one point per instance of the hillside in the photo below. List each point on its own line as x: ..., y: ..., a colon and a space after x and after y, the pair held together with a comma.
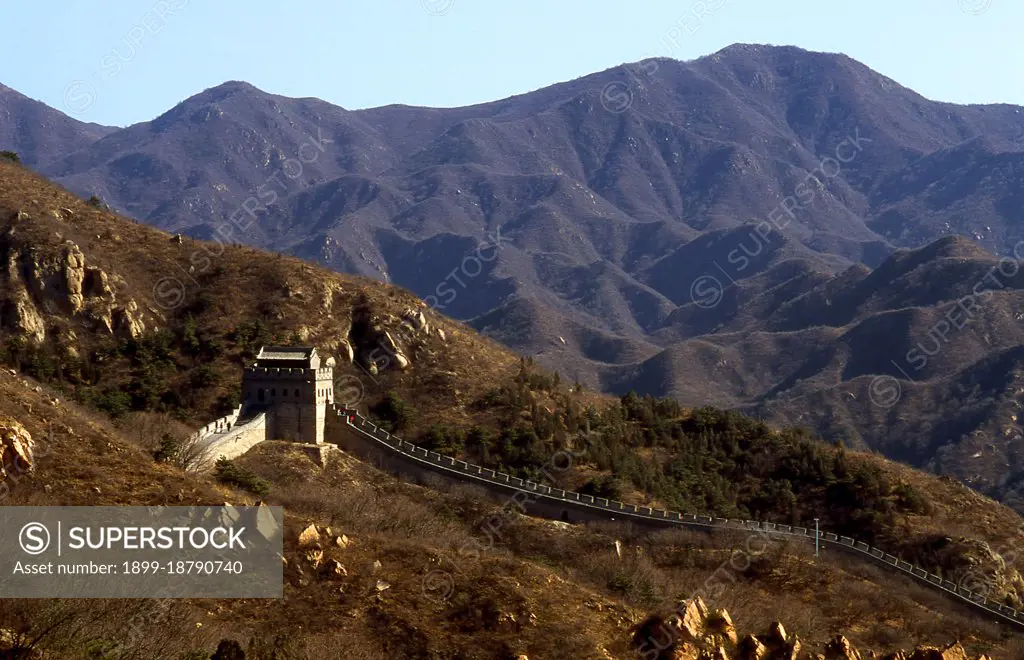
x: 39, y: 133
x: 147, y: 334
x: 544, y: 591
x: 650, y: 247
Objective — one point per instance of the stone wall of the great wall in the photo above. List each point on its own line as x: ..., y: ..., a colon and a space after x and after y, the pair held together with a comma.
x: 362, y: 439
x: 232, y: 443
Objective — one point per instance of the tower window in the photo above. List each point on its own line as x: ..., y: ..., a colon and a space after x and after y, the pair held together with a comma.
x: 273, y: 393
x: 262, y: 395
x: 296, y: 394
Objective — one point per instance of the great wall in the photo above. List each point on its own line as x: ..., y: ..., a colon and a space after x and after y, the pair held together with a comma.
x: 312, y: 419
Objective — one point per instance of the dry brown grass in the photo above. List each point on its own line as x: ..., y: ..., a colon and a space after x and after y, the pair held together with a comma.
x: 570, y: 579
x: 232, y: 283
x: 756, y: 584
x: 582, y: 595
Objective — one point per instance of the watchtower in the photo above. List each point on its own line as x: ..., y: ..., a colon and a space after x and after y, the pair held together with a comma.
x: 289, y: 383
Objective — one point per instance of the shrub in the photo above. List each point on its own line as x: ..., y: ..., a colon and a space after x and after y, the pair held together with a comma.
x: 607, y: 486
x: 392, y: 411
x: 249, y: 336
x: 10, y: 156
x: 228, y: 649
x: 205, y: 375
x: 443, y: 440
x: 168, y: 449
x: 94, y: 202
x: 233, y: 475
x: 113, y: 401
x: 912, y: 499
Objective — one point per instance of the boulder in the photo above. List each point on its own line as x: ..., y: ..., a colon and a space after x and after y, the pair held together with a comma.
x: 839, y: 648
x: 127, y: 321
x: 952, y: 652
x: 720, y: 624
x: 315, y: 557
x: 346, y: 349
x: 22, y: 316
x: 777, y: 633
x: 309, y: 537
x: 751, y: 648
x: 16, y: 448
x: 793, y: 652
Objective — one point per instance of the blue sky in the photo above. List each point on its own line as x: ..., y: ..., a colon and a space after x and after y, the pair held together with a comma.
x: 122, y: 61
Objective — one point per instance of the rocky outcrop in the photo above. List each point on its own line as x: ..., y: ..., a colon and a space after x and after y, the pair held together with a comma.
x: 39, y: 285
x: 384, y: 341
x: 16, y: 448
x: 839, y: 648
x: 96, y: 284
x: 418, y: 322
x: 20, y: 315
x: 690, y: 632
x: 951, y: 652
x: 74, y: 277
x: 127, y: 321
x: 345, y: 348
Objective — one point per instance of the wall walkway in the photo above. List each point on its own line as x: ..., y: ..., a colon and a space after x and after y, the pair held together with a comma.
x: 228, y: 437
x: 358, y: 435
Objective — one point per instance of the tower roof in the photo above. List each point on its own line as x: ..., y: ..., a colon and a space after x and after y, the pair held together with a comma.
x: 288, y: 357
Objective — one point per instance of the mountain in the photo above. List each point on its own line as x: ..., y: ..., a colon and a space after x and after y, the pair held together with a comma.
x: 119, y: 339
x: 40, y: 134
x: 730, y: 230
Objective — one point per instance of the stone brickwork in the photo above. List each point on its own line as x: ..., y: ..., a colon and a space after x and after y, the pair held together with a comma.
x: 231, y: 443
x: 285, y: 396
x: 295, y: 395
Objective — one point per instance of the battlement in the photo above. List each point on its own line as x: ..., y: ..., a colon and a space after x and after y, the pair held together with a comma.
x: 293, y: 374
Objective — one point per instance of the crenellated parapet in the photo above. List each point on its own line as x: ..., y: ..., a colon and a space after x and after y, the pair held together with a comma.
x: 296, y: 374
x: 221, y: 425
x: 357, y: 434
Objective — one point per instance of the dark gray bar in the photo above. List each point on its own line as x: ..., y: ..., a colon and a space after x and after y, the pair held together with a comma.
x: 141, y: 552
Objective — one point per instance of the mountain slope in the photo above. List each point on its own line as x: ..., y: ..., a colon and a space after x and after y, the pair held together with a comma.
x: 40, y: 134
x: 115, y: 339
x: 713, y: 240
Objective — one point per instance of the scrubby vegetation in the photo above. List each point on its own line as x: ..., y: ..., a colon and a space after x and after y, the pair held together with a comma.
x: 705, y: 460
x: 227, y: 472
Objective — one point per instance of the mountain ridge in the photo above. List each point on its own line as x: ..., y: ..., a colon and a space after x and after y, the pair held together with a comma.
x: 714, y: 218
